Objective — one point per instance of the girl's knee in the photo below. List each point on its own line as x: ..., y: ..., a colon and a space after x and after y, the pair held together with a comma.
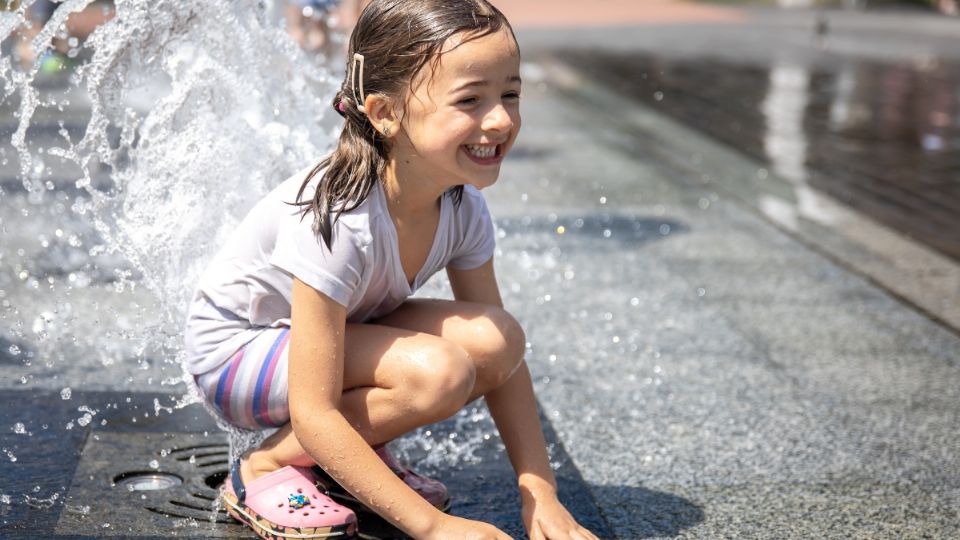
x: 499, y: 343
x: 442, y: 380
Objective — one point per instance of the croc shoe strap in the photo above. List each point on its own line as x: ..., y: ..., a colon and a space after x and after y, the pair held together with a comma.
x: 238, y: 487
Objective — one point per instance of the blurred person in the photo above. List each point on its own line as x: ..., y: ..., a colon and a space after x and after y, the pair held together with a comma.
x: 309, y: 22
x: 312, y: 23
x: 57, y: 56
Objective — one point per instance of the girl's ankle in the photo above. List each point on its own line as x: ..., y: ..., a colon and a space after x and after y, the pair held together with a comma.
x: 255, y: 465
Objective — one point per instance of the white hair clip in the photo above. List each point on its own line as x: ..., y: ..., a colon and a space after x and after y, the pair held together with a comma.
x: 357, y: 59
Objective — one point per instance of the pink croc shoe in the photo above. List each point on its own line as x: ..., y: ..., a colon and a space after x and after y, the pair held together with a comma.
x: 286, y: 504
x: 433, y: 491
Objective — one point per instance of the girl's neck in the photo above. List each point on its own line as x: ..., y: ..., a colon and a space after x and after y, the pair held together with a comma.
x: 406, y: 199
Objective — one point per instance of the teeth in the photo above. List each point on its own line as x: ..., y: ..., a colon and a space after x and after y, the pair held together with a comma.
x: 482, y: 151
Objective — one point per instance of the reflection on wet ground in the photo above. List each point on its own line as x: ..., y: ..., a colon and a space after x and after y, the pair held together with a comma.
x: 882, y: 138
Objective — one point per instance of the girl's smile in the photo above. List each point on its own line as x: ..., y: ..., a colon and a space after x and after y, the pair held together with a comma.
x: 484, y: 154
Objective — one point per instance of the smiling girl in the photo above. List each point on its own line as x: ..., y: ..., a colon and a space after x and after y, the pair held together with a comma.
x: 303, y: 321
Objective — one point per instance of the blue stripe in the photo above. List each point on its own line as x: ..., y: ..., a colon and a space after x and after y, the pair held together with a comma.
x: 222, y: 386
x: 257, y: 394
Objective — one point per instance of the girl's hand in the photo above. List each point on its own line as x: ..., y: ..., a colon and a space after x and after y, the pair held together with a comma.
x: 546, y: 519
x: 455, y: 527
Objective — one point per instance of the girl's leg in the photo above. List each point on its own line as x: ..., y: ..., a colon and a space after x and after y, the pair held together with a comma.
x: 491, y: 338
x: 396, y: 380
x: 416, y: 366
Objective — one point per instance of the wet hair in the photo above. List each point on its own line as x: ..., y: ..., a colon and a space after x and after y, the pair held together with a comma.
x: 397, y: 38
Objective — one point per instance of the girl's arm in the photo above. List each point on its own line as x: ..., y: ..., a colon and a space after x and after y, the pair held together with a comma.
x: 315, y: 385
x: 317, y: 328
x: 514, y: 411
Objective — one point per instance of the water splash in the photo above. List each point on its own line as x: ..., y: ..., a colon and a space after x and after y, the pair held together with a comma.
x: 192, y: 112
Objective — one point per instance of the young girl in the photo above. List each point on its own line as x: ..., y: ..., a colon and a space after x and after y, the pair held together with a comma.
x: 303, y: 321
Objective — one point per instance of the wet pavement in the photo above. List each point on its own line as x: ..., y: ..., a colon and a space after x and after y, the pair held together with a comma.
x: 882, y: 138
x: 727, y: 340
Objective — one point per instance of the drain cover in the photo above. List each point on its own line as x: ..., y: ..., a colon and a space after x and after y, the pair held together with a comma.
x: 159, y: 484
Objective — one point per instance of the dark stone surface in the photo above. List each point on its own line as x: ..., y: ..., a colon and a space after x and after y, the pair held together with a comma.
x: 70, y: 476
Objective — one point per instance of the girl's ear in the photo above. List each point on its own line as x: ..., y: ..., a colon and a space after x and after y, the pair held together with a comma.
x: 381, y: 110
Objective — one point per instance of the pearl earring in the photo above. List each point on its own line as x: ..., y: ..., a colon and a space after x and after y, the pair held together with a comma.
x: 386, y: 131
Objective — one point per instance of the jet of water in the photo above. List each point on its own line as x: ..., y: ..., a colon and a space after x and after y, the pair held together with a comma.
x: 194, y: 110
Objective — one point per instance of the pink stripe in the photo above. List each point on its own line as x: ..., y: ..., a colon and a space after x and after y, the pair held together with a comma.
x: 264, y: 404
x: 247, y: 409
x: 228, y: 389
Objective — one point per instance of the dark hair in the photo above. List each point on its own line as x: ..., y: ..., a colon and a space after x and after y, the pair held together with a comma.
x: 397, y: 38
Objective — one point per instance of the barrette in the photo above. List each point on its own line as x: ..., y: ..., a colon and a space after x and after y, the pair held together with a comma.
x: 361, y: 99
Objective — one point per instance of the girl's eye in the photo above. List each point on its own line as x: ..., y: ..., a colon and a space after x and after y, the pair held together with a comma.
x: 467, y: 101
x: 512, y: 95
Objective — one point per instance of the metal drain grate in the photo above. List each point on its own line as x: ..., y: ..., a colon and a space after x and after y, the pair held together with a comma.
x: 206, y: 465
x: 104, y: 491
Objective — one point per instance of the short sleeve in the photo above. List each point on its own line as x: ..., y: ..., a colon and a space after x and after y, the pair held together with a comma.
x: 335, y: 272
x: 479, y: 236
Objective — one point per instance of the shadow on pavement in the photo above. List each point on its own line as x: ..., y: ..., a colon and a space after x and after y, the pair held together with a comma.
x: 650, y: 513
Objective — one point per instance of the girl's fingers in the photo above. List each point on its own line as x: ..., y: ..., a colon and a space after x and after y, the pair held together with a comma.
x: 582, y: 534
x: 536, y: 533
x: 586, y: 534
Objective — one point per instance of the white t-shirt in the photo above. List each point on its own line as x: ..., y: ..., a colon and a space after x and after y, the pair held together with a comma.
x: 250, y: 281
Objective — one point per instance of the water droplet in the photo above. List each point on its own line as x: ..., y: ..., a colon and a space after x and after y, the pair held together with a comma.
x: 66, y: 393
x: 19, y: 428
x: 83, y: 510
x: 154, y: 464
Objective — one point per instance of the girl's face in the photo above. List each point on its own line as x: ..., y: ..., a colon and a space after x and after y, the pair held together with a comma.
x: 461, y: 119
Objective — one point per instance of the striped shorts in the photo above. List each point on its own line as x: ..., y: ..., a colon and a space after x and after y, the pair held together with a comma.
x: 250, y: 388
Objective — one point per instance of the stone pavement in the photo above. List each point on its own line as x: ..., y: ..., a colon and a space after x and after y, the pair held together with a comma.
x: 704, y: 369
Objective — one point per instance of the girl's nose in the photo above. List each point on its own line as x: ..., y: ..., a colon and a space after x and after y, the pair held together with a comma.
x: 497, y: 119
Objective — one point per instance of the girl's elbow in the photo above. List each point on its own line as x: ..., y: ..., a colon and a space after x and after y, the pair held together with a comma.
x: 310, y: 415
